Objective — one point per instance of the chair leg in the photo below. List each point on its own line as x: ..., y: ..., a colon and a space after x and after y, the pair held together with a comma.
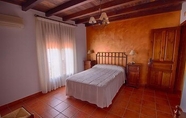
x: 177, y: 111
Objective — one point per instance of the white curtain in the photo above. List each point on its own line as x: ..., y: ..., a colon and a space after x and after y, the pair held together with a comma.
x: 56, y: 53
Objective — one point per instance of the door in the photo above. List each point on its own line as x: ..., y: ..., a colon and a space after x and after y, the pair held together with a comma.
x: 162, y: 65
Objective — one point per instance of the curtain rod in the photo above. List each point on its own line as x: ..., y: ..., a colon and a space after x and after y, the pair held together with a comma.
x: 54, y: 20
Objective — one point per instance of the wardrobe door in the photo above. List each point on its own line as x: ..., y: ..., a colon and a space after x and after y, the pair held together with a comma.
x: 162, y: 65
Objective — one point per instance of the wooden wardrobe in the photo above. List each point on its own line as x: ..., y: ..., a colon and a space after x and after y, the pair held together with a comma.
x: 163, y: 61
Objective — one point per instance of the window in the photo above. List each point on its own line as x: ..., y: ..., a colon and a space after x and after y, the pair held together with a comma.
x: 60, y: 62
x: 53, y: 56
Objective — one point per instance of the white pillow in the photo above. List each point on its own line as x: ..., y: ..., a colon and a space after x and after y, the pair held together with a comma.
x: 108, y: 66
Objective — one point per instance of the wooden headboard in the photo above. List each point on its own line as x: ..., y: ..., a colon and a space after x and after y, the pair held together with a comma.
x: 115, y: 58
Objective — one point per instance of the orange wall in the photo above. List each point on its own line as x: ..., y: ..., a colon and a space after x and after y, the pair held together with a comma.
x: 130, y: 34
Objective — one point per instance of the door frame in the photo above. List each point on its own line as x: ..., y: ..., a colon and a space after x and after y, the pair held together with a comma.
x: 181, y: 60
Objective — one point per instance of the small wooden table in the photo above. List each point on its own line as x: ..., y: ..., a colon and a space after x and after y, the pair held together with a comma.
x: 133, y: 74
x: 89, y: 64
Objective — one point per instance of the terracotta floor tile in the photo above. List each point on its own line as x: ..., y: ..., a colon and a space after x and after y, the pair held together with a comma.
x: 128, y: 88
x: 45, y: 115
x: 30, y: 102
x: 134, y: 107
x: 139, y: 90
x: 80, y: 114
x: 164, y: 108
x: 174, y: 97
x: 99, y: 113
x: 149, y: 91
x: 110, y: 115
x: 61, y: 107
x: 135, y: 100
x: 131, y: 114
x: 69, y: 100
x: 116, y: 98
x: 52, y: 102
x: 121, y: 103
x: 148, y: 111
x: 145, y: 116
x: 117, y: 110
x: 138, y: 95
x: 128, y: 103
x: 41, y: 112
x: 61, y: 116
x: 61, y: 97
x: 148, y: 98
x: 75, y: 102
x: 123, y: 96
x: 163, y: 115
x: 36, y: 116
x: 127, y: 97
x: 162, y: 101
x: 108, y: 108
x: 52, y: 112
x: 160, y: 94
x: 149, y: 104
x: 149, y: 94
x: 88, y: 108
x: 34, y: 103
x: 174, y: 103
x: 40, y: 107
x: 70, y: 111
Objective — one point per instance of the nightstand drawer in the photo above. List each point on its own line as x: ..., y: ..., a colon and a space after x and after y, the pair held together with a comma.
x: 134, y: 68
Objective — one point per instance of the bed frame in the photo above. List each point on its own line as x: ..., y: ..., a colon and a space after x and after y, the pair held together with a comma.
x: 115, y: 58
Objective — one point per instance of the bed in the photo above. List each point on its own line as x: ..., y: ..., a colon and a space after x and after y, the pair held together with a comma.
x: 100, y: 84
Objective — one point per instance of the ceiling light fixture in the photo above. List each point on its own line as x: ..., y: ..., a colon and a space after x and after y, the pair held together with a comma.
x: 103, y: 19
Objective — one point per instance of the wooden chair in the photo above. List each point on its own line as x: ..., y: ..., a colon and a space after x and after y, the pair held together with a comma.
x: 178, y: 113
x: 21, y: 112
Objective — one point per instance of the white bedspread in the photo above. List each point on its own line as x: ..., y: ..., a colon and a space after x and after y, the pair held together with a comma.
x: 97, y: 85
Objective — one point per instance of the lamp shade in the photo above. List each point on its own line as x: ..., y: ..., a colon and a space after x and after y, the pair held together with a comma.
x: 132, y: 52
x: 92, y: 20
x: 103, y: 16
x: 90, y: 51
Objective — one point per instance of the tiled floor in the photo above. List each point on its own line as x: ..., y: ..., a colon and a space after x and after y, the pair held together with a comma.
x: 128, y: 103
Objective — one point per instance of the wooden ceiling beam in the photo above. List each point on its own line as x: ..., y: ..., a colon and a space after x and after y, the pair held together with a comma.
x: 148, y: 12
x: 137, y: 8
x: 70, y: 4
x: 92, y: 10
x: 146, y: 6
x: 30, y: 4
x: 144, y: 13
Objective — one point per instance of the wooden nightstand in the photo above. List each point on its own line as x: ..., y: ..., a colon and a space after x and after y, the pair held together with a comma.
x: 88, y: 64
x: 133, y: 74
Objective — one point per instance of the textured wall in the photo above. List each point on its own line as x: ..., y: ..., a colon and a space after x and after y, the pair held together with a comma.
x: 18, y: 57
x: 182, y: 14
x: 130, y: 34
